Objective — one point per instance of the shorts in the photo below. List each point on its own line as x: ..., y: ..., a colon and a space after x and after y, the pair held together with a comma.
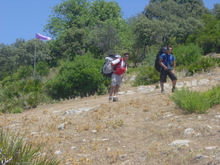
x: 165, y: 73
x: 116, y: 80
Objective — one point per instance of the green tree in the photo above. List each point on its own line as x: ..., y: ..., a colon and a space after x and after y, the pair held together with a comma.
x: 69, y: 44
x: 68, y: 14
x: 103, y: 38
x: 74, y: 24
x: 100, y: 11
x: 209, y: 36
x: 216, y: 10
x: 8, y: 61
x: 182, y: 15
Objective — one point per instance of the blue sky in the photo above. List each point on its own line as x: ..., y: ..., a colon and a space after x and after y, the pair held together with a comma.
x: 25, y: 18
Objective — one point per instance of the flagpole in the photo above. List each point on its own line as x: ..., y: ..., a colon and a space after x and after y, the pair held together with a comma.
x: 42, y: 37
x: 34, y: 58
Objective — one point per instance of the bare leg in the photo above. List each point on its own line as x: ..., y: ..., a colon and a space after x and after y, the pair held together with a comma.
x: 174, y: 83
x: 112, y: 89
x: 162, y: 85
x: 116, y: 90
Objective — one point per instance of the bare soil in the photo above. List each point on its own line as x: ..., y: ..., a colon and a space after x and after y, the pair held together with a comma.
x: 137, y: 130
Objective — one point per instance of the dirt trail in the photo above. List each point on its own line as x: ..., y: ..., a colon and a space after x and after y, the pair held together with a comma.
x: 136, y: 130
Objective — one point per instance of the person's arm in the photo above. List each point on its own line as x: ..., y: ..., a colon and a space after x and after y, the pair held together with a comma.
x: 112, y: 66
x: 113, y: 63
x: 161, y: 64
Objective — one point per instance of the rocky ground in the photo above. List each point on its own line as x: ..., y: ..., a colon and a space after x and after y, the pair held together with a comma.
x: 144, y: 128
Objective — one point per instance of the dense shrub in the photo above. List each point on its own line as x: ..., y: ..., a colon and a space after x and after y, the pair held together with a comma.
x: 42, y: 69
x: 204, y: 64
x: 81, y: 77
x: 188, y: 54
x: 191, y: 101
x: 23, y: 94
x: 214, y: 95
x: 196, y: 102
x: 146, y: 75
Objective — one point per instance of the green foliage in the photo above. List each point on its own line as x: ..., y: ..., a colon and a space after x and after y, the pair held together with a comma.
x: 216, y: 10
x: 103, y: 37
x: 196, y: 102
x: 179, y: 18
x: 208, y: 37
x: 22, y: 94
x: 8, y: 60
x: 16, y: 60
x: 69, y: 44
x: 42, y: 69
x: 83, y: 26
x: 204, y: 64
x: 81, y: 77
x: 24, y: 72
x: 16, y: 150
x: 132, y: 70
x: 146, y: 75
x: 188, y: 54
x: 191, y: 101
x: 17, y: 110
x: 214, y: 95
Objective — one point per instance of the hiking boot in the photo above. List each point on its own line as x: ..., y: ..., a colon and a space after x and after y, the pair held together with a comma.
x: 110, y: 100
x: 173, y: 89
x: 163, y: 92
x: 115, y: 99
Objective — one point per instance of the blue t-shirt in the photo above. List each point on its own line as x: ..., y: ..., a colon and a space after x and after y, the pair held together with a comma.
x: 168, y: 60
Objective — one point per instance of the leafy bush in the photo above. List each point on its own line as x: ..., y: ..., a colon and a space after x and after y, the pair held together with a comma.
x: 17, y: 110
x: 15, y: 150
x: 42, y: 69
x: 146, y: 75
x: 131, y: 70
x: 22, y: 73
x: 214, y: 95
x: 191, y: 101
x: 188, y: 54
x: 205, y: 64
x: 23, y: 94
x: 81, y: 77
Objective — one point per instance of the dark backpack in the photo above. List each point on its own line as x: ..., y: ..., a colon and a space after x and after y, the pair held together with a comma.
x: 106, y: 69
x: 162, y: 50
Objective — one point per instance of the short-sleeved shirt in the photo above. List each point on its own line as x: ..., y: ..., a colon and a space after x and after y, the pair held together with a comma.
x: 120, y: 68
x: 168, y: 60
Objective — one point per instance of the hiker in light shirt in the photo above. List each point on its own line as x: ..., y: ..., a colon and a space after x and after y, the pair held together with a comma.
x: 117, y: 76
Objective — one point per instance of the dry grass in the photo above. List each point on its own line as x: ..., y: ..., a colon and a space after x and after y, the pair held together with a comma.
x: 136, y: 130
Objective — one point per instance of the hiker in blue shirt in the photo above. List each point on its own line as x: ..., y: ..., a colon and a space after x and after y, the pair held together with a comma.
x: 168, y: 64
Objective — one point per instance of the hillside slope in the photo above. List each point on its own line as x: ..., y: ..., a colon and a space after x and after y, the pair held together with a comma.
x: 141, y: 129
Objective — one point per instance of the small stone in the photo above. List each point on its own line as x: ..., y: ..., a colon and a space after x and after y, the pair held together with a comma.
x: 180, y: 143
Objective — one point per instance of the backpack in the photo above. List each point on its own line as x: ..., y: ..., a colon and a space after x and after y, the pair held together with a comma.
x: 106, y: 69
x: 161, y: 51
